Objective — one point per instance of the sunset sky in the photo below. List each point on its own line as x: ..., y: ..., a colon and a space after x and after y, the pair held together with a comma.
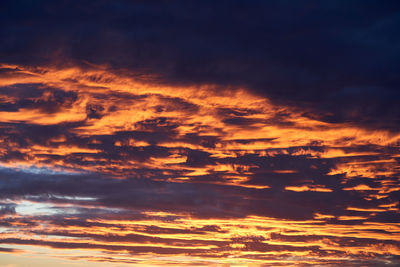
x: 199, y: 133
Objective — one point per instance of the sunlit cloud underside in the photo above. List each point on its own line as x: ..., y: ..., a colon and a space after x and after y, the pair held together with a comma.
x: 110, y: 168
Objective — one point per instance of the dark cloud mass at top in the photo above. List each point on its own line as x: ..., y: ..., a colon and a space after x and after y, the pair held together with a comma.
x: 338, y: 61
x: 215, y: 133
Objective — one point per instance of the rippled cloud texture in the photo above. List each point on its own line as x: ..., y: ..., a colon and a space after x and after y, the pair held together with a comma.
x: 221, y: 133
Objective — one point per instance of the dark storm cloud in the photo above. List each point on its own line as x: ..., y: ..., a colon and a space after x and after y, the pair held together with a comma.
x: 22, y: 135
x: 202, y: 200
x: 337, y: 61
x: 35, y: 96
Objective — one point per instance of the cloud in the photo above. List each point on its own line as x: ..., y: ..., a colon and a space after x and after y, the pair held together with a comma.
x: 223, y: 133
x: 311, y: 56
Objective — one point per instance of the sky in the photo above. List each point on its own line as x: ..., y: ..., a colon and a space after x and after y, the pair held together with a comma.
x: 199, y: 133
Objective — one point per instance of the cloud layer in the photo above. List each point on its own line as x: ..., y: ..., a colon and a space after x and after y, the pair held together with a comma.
x: 335, y: 61
x: 200, y: 134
